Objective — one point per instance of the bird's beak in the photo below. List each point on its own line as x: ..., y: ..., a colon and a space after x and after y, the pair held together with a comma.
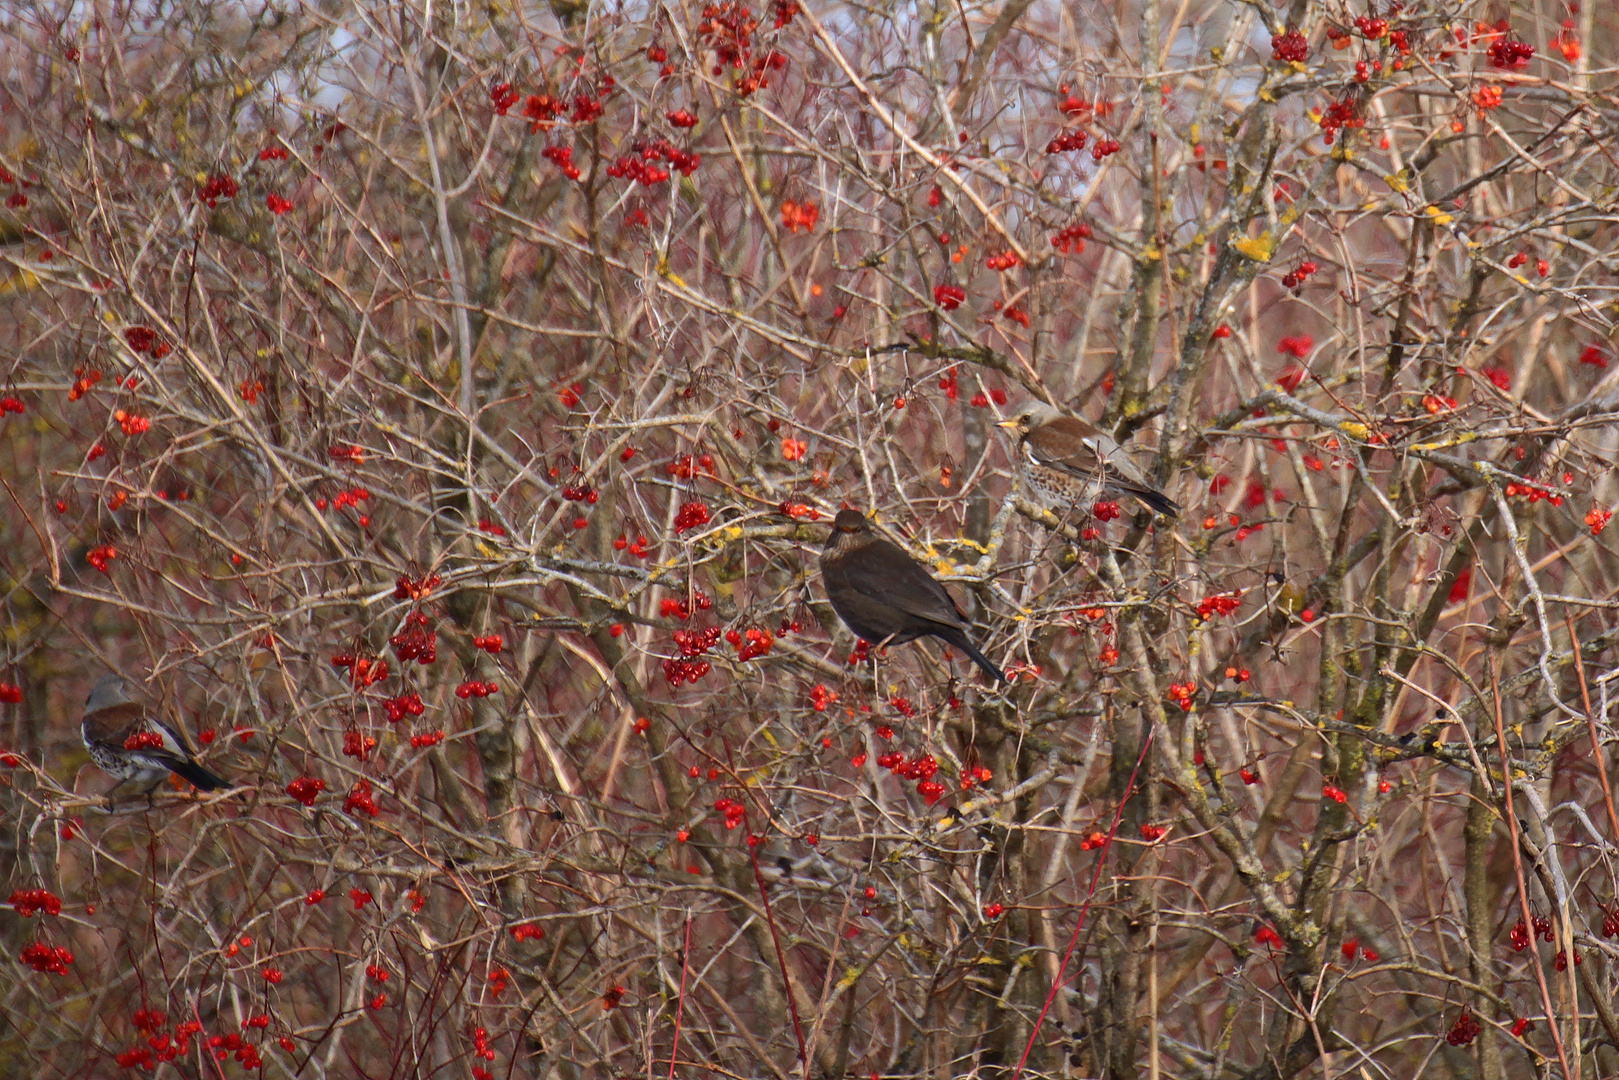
x: 1007, y: 424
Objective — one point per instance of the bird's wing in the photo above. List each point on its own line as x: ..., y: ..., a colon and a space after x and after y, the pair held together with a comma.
x: 111, y: 726
x: 903, y: 583
x: 1076, y: 447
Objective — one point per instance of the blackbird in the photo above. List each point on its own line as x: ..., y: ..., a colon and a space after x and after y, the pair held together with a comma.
x: 885, y: 596
x: 128, y: 742
x: 1066, y: 462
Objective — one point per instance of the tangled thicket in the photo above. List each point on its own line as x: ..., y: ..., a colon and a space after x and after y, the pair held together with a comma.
x: 440, y: 407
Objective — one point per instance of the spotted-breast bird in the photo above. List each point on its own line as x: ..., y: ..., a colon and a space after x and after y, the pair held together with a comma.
x: 1066, y: 462
x: 885, y: 596
x: 128, y: 741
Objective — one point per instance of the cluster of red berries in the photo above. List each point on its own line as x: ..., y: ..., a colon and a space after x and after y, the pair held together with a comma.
x: 821, y: 697
x: 426, y: 739
x: 1520, y: 934
x: 1006, y: 260
x: 691, y: 515
x: 1334, y: 792
x: 696, y: 642
x: 1106, y: 510
x: 974, y: 776
x: 144, y: 740
x: 1434, y: 404
x: 1104, y: 148
x: 1371, y: 27
x: 948, y: 297
x: 1096, y: 841
x: 1297, y: 346
x: 1532, y: 493
x: 360, y: 799
x: 733, y: 811
x: 1465, y: 1030
x: 796, y: 510
x: 640, y: 548
x: 100, y: 556
x: 406, y: 704
x: 476, y: 688
x: 981, y: 400
x: 363, y: 670
x: 1351, y: 946
x: 28, y: 901
x: 586, y: 109
x: 489, y: 643
x: 1340, y: 115
x: 1183, y: 693
x: 1289, y: 47
x: 306, y: 789
x: 1299, y: 275
x: 684, y: 466
x: 10, y: 693
x: 132, y: 423
x: 1152, y: 833
x: 582, y: 493
x: 84, y: 379
x: 1219, y: 604
x: 562, y: 157
x: 799, y: 215
x: 922, y: 768
x: 1071, y: 241
x: 12, y: 404
x: 415, y: 642
x: 1510, y: 54
x: 1072, y: 140
x: 524, y: 931
x: 677, y: 671
x: 50, y: 959
x: 671, y: 608
x: 502, y: 97
x: 758, y: 642
x: 409, y: 588
x: 357, y: 744
x: 344, y: 499
x: 1266, y: 935
x: 216, y: 188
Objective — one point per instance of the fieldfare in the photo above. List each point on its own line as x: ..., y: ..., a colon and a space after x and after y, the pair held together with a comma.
x: 128, y: 742
x: 1066, y: 462
x: 885, y: 596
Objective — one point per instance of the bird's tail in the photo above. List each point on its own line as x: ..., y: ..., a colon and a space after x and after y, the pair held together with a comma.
x: 1155, y: 500
x: 960, y: 641
x: 190, y: 770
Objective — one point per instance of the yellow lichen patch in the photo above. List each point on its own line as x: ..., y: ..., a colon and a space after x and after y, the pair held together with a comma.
x: 1257, y: 248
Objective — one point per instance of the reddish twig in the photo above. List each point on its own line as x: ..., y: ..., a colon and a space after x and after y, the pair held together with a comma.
x: 1517, y: 868
x: 781, y: 957
x: 680, y: 1002
x: 1096, y: 877
x: 1591, y: 725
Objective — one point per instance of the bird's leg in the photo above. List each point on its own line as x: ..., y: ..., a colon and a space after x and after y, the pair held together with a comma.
x: 108, y: 802
x: 872, y: 655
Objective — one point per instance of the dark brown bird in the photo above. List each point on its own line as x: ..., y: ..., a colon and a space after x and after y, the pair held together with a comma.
x: 128, y: 742
x: 887, y: 597
x: 1066, y: 462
